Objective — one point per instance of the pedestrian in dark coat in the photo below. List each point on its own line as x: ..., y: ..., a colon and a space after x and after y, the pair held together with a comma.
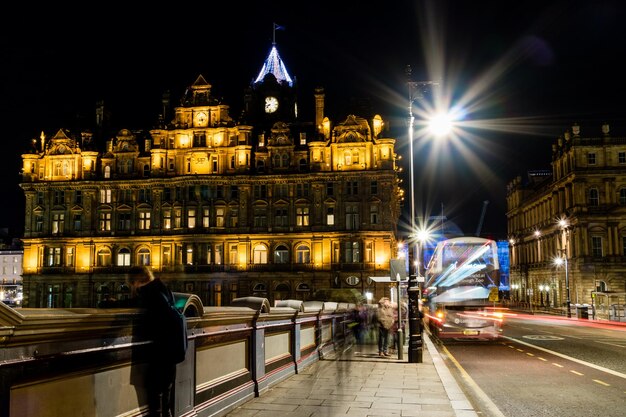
x: 151, y: 294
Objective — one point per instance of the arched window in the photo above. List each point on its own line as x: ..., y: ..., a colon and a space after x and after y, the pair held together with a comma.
x: 303, y: 254
x: 259, y: 290
x: 123, y: 257
x: 259, y: 255
x: 281, y: 254
x: 143, y: 256
x: 355, y: 157
x: 347, y: 158
x: 104, y: 257
x: 282, y: 291
x: 285, y: 161
x: 107, y: 171
x: 276, y: 160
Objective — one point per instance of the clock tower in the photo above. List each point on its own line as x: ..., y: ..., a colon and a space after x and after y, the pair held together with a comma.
x: 272, y: 96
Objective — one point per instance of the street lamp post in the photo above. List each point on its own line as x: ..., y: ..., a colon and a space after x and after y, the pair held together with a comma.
x: 415, y: 335
x: 563, y: 224
x: 568, y: 301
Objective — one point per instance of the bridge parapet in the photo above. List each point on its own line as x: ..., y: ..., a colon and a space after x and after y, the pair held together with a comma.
x: 89, y: 361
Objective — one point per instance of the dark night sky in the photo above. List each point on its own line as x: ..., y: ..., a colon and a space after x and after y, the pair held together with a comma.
x: 536, y: 68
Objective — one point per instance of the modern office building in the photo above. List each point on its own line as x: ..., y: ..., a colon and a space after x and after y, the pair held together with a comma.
x: 567, y: 225
x: 266, y: 204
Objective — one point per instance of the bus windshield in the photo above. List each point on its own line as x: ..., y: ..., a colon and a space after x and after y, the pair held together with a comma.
x: 462, y: 269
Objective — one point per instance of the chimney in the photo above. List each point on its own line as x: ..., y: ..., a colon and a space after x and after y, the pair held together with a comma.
x: 319, y: 108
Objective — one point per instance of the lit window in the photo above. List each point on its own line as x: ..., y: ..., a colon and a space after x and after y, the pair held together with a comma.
x: 303, y: 254
x: 167, y: 219
x: 143, y: 256
x: 191, y: 218
x: 189, y: 254
x: 167, y: 256
x: 259, y: 254
x: 144, y: 220
x: 104, y: 223
x: 104, y: 257
x: 330, y: 216
x: 58, y: 223
x: 219, y: 217
x: 205, y: 217
x: 302, y: 216
x: 123, y: 257
x: 233, y: 254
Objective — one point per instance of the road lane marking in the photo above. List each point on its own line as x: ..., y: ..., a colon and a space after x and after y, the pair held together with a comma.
x: 601, y: 382
x: 542, y: 359
x: 591, y: 365
x: 489, y: 404
x: 576, y: 372
x: 611, y: 344
x: 529, y: 354
x: 542, y: 337
x: 556, y: 364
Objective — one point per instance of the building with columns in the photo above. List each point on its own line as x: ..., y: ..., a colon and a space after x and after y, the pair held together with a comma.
x: 266, y: 204
x: 567, y: 225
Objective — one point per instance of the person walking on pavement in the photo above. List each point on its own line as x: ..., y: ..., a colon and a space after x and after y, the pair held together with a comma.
x: 384, y: 316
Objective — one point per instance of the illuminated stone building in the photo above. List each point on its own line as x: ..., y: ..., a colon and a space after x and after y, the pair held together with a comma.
x: 264, y: 204
x: 576, y: 211
x: 11, y: 276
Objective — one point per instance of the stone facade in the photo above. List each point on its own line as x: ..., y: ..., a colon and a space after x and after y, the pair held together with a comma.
x: 264, y: 205
x: 577, y: 212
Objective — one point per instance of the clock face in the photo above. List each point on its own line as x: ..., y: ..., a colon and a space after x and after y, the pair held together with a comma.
x: 201, y: 118
x: 271, y: 104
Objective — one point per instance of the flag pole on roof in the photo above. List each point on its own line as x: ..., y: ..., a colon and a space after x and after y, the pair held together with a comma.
x: 276, y: 27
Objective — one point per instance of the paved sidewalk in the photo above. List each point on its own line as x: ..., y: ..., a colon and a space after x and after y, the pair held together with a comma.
x: 358, y: 383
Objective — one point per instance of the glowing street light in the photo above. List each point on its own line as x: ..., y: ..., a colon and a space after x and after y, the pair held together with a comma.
x: 441, y: 124
x: 421, y: 237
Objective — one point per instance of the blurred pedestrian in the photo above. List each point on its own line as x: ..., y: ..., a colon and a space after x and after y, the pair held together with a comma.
x: 394, y: 335
x: 384, y: 317
x: 151, y: 294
